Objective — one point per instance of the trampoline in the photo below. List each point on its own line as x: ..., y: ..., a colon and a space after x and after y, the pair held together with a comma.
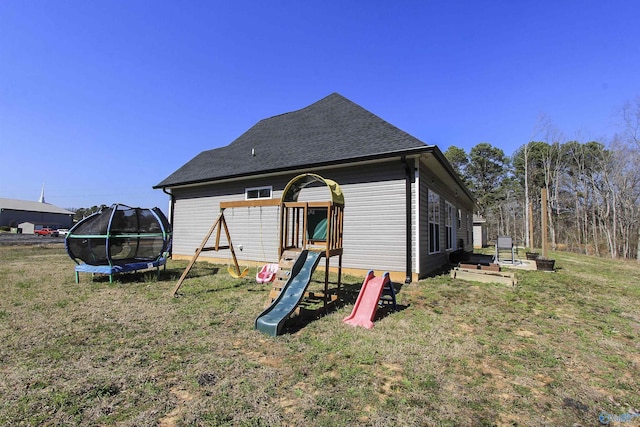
x: 119, y: 239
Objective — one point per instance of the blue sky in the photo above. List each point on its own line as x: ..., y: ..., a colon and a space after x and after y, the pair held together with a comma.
x: 101, y: 100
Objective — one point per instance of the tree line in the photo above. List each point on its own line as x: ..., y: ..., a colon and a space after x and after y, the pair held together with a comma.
x: 592, y: 188
x: 80, y: 213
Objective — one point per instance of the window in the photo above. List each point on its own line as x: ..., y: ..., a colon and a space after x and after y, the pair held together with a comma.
x: 257, y: 193
x: 434, y: 222
x: 449, y: 220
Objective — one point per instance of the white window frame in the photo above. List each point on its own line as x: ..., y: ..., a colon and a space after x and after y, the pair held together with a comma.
x: 434, y: 222
x: 259, y: 192
x: 449, y: 221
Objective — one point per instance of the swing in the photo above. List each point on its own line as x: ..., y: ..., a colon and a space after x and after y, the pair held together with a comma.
x: 237, y: 274
x: 268, y: 273
x: 217, y: 227
x: 233, y: 272
x: 269, y: 270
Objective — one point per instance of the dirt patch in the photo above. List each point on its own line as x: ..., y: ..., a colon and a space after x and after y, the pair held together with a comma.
x: 390, y: 379
x: 182, y: 396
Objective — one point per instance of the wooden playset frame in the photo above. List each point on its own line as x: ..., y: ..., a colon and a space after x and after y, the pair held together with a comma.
x: 294, y: 234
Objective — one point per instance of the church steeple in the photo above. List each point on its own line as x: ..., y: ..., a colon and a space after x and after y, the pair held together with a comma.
x: 42, y: 195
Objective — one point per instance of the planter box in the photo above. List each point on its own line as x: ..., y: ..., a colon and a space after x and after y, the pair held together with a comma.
x: 545, y: 264
x: 484, y: 276
x: 488, y: 267
x: 532, y: 255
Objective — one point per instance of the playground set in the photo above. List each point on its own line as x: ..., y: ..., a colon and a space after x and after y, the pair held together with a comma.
x: 309, y: 231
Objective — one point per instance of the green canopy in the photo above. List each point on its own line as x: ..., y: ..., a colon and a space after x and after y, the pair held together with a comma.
x: 293, y: 188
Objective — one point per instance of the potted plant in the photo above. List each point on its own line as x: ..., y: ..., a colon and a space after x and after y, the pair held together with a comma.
x: 531, y: 256
x: 545, y: 264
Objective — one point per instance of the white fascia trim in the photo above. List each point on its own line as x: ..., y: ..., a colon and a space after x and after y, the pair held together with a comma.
x: 287, y: 172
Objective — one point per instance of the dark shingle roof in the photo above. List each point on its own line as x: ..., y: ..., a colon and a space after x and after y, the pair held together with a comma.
x: 332, y: 130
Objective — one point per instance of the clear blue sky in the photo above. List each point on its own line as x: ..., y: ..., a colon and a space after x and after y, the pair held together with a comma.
x: 101, y: 100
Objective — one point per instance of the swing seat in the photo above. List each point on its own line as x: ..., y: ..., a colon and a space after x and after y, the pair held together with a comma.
x: 232, y: 272
x: 267, y: 274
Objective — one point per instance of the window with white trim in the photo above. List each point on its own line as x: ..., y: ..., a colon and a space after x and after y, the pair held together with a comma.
x: 434, y: 222
x: 449, y: 220
x: 258, y: 193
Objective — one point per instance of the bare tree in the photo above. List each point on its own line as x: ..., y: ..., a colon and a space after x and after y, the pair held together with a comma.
x: 631, y: 121
x: 631, y: 136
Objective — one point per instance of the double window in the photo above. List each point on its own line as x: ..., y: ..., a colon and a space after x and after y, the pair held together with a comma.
x: 258, y: 193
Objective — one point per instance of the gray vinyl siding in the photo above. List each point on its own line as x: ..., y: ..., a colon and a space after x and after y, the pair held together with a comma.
x: 374, y: 219
x: 423, y: 230
x: 429, y: 181
x: 253, y: 229
x: 430, y: 262
x: 465, y: 232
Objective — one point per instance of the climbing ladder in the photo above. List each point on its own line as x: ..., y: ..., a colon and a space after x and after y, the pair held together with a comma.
x: 285, y: 265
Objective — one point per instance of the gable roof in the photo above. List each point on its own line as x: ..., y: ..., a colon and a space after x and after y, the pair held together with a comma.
x: 330, y: 131
x: 29, y: 206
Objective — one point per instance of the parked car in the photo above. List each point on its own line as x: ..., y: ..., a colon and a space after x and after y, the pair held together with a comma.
x: 46, y: 231
x: 63, y: 231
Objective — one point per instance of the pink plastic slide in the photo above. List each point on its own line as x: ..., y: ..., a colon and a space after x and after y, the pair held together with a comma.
x: 365, y: 309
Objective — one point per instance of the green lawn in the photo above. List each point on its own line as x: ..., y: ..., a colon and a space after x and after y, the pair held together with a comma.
x: 558, y: 349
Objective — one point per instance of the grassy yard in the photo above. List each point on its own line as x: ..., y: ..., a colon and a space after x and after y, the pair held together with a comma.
x: 557, y: 350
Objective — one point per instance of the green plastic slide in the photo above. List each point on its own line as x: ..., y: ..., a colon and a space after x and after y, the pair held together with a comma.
x: 272, y: 319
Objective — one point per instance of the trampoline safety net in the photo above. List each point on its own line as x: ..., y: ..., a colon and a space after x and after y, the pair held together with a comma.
x: 119, y: 234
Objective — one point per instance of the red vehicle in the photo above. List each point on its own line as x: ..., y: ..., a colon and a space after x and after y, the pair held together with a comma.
x: 46, y: 231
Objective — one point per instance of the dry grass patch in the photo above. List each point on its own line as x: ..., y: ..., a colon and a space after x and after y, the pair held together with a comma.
x: 556, y: 350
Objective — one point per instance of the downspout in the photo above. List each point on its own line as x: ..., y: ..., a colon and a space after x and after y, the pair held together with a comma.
x: 171, y: 206
x: 408, y: 206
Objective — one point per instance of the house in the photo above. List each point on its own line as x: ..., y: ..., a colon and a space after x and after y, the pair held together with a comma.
x: 27, y: 228
x: 14, y: 212
x: 405, y: 208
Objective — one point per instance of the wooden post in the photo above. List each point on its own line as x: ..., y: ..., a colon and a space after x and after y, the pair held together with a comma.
x: 543, y: 213
x: 326, y: 280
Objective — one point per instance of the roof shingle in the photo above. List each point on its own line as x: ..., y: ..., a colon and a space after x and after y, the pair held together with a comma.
x: 332, y: 130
